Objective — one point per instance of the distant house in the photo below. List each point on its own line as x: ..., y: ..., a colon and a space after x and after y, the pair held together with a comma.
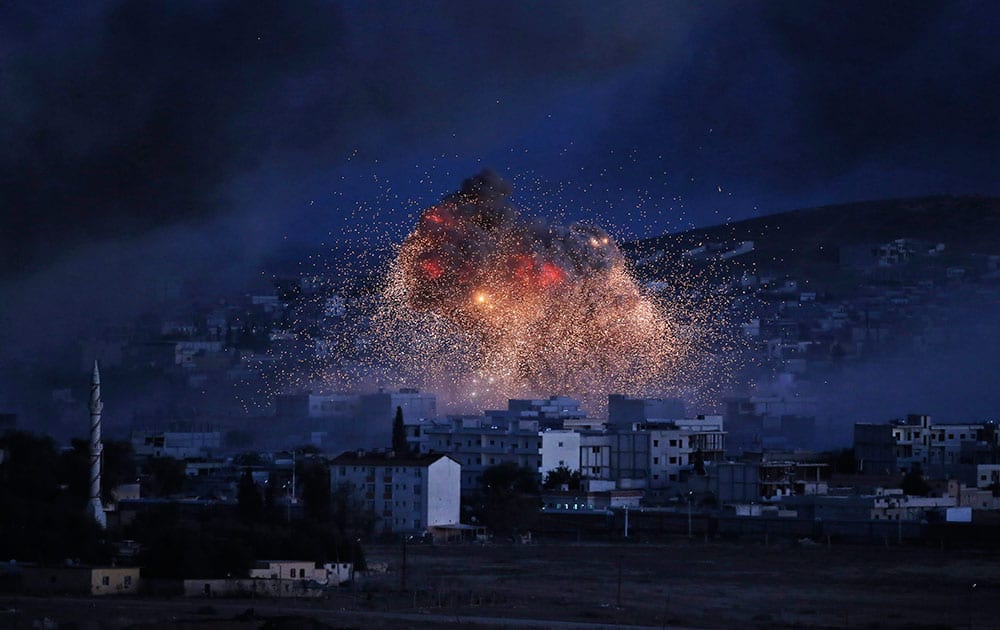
x: 276, y: 578
x: 80, y: 580
x: 408, y: 493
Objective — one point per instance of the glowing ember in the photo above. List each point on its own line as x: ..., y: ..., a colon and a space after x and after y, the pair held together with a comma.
x: 480, y: 299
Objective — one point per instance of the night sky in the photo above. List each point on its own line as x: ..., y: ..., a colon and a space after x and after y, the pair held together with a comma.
x: 140, y: 138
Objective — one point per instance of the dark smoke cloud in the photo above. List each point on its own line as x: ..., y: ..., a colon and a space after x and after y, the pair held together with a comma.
x: 795, y: 103
x: 125, y: 116
x: 475, y: 240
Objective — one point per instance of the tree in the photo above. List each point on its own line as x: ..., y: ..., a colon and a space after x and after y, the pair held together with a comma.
x: 41, y: 517
x: 249, y: 502
x: 557, y: 477
x: 913, y: 483
x: 164, y: 477
x: 509, y: 498
x: 399, y: 434
x: 314, y: 475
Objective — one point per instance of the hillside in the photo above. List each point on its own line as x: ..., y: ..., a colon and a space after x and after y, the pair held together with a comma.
x: 815, y: 235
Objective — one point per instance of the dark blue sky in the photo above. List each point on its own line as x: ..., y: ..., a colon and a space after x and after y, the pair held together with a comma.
x: 242, y: 124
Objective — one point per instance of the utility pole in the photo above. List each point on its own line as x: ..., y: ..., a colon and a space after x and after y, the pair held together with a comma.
x: 619, y: 580
x: 689, y: 515
x: 402, y: 573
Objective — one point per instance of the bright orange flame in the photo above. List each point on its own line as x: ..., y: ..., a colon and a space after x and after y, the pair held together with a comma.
x: 551, y: 275
x: 432, y: 269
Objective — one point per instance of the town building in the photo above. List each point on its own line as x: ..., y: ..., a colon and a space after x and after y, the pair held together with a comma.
x: 180, y: 444
x: 406, y: 493
x: 478, y: 442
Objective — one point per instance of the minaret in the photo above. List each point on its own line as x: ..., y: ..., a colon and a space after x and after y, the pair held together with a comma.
x: 94, y: 505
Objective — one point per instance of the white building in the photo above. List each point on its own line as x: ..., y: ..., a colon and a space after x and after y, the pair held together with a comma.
x: 560, y: 448
x: 408, y: 493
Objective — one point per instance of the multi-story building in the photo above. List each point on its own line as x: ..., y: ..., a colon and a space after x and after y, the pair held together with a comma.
x: 682, y: 445
x: 560, y: 448
x: 917, y: 442
x: 478, y: 442
x: 626, y: 411
x: 406, y: 493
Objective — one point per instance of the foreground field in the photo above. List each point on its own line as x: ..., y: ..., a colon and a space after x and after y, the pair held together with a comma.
x: 685, y: 584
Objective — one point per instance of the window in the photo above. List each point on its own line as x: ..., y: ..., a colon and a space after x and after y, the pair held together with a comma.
x: 673, y: 477
x: 128, y: 581
x: 302, y: 573
x: 656, y: 476
x: 656, y: 442
x: 291, y: 572
x: 595, y: 470
x: 673, y: 442
x: 656, y: 460
x: 673, y: 460
x: 560, y: 444
x: 105, y: 581
x: 595, y: 449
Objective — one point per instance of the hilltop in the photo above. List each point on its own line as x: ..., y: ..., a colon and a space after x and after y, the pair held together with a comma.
x: 815, y: 235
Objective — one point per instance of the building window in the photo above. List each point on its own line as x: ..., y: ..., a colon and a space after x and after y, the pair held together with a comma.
x: 594, y: 470
x: 672, y: 477
x: 673, y: 442
x: 302, y: 573
x: 560, y: 445
x: 656, y: 476
x: 105, y: 581
x: 673, y: 460
x: 291, y: 572
x: 656, y: 460
x: 656, y: 442
x: 128, y: 581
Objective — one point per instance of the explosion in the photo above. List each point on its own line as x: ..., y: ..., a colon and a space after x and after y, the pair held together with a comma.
x: 483, y: 304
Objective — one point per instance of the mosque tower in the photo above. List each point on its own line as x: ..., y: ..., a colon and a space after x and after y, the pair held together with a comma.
x: 94, y: 506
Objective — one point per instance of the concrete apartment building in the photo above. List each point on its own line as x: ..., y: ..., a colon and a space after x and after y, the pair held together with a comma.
x: 407, y: 493
x: 478, y: 442
x: 918, y: 442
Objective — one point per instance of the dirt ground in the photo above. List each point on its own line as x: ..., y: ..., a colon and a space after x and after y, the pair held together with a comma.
x: 684, y: 584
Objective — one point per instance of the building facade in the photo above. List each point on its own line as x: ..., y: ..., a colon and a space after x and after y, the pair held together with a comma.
x: 406, y: 493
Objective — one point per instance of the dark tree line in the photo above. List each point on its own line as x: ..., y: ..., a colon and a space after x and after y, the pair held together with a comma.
x: 43, y: 496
